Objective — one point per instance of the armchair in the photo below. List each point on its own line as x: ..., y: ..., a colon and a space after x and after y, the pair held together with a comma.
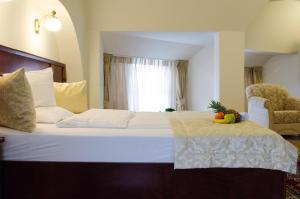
x: 271, y: 106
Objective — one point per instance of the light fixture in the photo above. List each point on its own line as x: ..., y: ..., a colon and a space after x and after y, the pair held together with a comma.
x: 51, y: 22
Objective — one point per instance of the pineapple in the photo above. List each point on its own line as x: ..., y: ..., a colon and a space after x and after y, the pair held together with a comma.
x: 217, y: 106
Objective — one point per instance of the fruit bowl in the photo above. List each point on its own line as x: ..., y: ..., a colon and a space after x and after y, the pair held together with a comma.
x: 224, y: 115
x: 228, y: 119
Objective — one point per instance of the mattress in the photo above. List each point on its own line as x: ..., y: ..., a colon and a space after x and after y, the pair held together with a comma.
x: 150, y: 139
x: 135, y: 144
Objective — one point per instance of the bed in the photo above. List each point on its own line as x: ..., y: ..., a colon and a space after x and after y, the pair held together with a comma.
x: 112, y: 163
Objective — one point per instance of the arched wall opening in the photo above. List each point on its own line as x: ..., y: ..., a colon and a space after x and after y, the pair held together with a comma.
x: 17, y: 31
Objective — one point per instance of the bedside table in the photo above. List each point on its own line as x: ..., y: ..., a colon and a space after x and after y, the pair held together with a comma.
x: 2, y: 139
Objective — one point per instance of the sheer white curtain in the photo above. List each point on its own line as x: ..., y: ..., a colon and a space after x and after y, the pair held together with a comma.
x: 151, y: 84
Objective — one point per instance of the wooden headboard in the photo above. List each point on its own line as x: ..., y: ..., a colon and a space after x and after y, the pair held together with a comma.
x: 11, y: 59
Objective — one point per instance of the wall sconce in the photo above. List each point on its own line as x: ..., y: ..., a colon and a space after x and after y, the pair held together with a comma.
x: 51, y: 22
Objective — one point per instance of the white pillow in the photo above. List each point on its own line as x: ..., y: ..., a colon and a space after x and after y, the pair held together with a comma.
x: 41, y: 83
x: 51, y: 115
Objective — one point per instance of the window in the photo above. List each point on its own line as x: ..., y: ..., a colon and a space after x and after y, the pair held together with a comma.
x: 140, y: 84
x: 151, y: 84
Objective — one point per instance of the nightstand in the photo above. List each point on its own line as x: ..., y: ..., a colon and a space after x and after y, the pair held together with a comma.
x: 1, y: 169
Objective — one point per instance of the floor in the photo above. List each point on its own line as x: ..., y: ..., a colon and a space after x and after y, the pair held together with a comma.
x: 295, y: 140
x: 293, y: 186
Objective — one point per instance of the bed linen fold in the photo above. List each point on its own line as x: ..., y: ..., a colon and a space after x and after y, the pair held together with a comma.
x: 200, y: 143
x: 98, y: 118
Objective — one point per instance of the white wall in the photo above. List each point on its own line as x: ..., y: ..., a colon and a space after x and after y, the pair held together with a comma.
x: 69, y: 50
x: 77, y: 20
x: 66, y: 38
x: 95, y: 70
x: 175, y: 15
x: 217, y: 72
x: 162, y: 16
x: 229, y: 69
x: 201, y: 80
x: 276, y: 28
x: 284, y: 70
x: 16, y: 29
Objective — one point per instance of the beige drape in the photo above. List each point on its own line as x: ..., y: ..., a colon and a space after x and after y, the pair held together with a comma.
x: 107, y: 76
x: 253, y: 75
x: 115, y: 88
x: 118, y: 98
x: 181, y: 85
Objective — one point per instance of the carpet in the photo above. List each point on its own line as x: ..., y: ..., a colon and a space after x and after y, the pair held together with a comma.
x: 293, y: 185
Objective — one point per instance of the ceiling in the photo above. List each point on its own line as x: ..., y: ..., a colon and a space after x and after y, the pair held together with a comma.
x: 193, y: 38
x: 162, y: 45
x: 258, y: 58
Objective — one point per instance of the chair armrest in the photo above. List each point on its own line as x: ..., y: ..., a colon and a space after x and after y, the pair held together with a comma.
x: 292, y: 103
x: 260, y: 111
x: 259, y: 102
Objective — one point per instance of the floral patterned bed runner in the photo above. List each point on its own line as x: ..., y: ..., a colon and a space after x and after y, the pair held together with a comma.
x: 200, y: 143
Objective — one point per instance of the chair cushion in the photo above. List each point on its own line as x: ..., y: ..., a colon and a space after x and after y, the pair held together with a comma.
x: 286, y: 117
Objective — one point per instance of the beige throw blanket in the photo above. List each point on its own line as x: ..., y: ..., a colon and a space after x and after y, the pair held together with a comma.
x: 200, y: 143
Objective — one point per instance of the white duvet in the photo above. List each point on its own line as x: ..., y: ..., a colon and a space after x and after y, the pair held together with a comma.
x: 149, y: 120
x: 98, y: 118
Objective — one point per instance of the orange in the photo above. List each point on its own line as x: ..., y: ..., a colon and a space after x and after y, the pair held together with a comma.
x: 219, y: 115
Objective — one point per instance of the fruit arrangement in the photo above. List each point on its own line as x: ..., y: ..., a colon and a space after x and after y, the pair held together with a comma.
x: 224, y: 115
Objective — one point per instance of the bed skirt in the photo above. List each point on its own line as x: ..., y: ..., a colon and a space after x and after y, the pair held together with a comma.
x: 56, y: 180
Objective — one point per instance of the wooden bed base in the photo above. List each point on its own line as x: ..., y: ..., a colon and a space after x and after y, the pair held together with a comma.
x: 53, y: 180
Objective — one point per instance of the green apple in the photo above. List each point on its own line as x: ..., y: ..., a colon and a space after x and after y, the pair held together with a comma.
x: 229, y: 118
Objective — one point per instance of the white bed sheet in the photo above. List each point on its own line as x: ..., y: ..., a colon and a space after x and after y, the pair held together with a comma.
x: 148, y: 139
x: 50, y: 143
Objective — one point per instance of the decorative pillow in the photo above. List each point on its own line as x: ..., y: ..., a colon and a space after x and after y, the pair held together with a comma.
x: 16, y: 102
x: 41, y: 83
x: 72, y: 96
x: 51, y: 115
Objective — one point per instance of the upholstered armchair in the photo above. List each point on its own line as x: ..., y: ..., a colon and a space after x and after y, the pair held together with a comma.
x: 271, y: 106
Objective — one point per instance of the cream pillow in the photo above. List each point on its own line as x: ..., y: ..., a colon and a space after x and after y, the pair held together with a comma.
x: 51, y: 115
x: 41, y: 83
x: 16, y: 102
x: 71, y: 96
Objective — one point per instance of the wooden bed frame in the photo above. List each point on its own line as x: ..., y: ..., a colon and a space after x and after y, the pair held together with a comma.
x: 11, y: 60
x: 61, y: 180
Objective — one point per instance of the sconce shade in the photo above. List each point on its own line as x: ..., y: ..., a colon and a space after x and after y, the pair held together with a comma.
x: 52, y: 23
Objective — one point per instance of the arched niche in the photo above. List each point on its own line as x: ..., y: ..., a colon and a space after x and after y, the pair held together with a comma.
x: 66, y: 39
